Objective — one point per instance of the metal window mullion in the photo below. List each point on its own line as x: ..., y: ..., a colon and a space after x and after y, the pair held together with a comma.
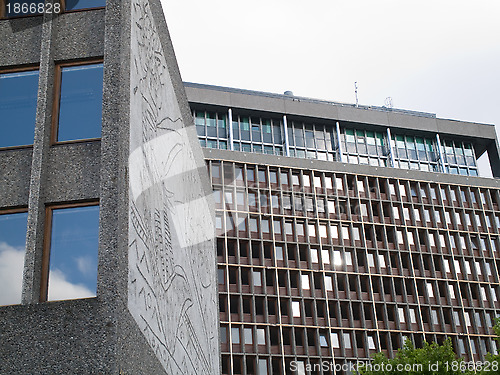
x: 339, y: 142
x: 285, y: 135
x: 230, y: 125
x: 391, y: 153
x: 440, y: 153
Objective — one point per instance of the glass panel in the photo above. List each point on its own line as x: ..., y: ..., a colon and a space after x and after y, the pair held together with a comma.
x: 80, y: 106
x: 12, y: 250
x: 18, y: 96
x: 73, y: 253
x: 83, y: 4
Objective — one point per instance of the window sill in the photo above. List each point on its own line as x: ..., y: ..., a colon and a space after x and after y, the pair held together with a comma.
x: 76, y: 141
x: 10, y: 148
x: 82, y: 10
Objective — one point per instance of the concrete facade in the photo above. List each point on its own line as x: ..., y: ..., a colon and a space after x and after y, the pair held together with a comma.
x: 124, y: 330
x: 323, y: 263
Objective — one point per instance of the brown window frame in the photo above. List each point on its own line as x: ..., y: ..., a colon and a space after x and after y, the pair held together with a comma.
x: 57, y: 99
x: 47, y: 241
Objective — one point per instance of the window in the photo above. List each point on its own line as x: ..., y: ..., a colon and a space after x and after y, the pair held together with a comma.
x: 263, y: 366
x: 371, y: 343
x: 261, y: 336
x: 79, y: 102
x: 305, y: 282
x: 248, y: 335
x: 70, y: 253
x: 401, y: 314
x: 12, y: 249
x: 322, y: 340
x: 18, y: 97
x: 257, y: 278
x: 235, y: 335
x: 83, y: 4
x: 296, y: 309
x: 347, y: 341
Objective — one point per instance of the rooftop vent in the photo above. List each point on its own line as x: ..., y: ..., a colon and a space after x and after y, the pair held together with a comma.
x: 288, y: 93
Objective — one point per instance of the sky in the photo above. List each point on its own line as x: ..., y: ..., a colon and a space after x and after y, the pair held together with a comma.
x: 434, y: 56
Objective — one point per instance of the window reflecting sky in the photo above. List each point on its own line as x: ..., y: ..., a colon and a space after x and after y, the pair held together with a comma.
x: 80, y: 108
x: 12, y: 250
x: 73, y: 253
x: 82, y: 4
x: 18, y: 95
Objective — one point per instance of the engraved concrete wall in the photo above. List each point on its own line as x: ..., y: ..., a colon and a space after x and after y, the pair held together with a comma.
x: 172, y: 290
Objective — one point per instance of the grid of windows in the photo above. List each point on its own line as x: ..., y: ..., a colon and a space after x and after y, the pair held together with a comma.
x: 459, y: 158
x: 212, y: 129
x: 319, y: 141
x: 256, y: 134
x: 364, y: 147
x: 331, y: 266
x: 312, y: 141
x: 415, y: 153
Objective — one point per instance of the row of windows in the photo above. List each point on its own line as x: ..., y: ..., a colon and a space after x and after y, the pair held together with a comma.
x: 368, y: 236
x: 17, y: 8
x: 342, y: 285
x: 299, y: 204
x: 77, y: 104
x: 315, y: 338
x: 302, y: 363
x: 451, y: 318
x: 391, y: 263
x: 354, y: 186
x: 320, y: 141
x: 476, y: 266
x: 69, y: 265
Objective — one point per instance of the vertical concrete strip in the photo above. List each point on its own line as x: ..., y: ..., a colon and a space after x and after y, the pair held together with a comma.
x: 41, y: 145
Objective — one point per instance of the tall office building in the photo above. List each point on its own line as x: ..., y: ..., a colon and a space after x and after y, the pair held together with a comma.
x: 107, y: 257
x: 343, y: 231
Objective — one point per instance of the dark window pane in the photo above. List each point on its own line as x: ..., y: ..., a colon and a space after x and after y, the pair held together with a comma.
x: 83, y: 4
x: 12, y: 250
x: 15, y: 8
x: 18, y: 95
x: 73, y: 253
x: 80, y: 108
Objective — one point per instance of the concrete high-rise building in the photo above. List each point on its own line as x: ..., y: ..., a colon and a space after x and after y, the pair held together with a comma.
x: 343, y: 230
x: 107, y: 253
x: 332, y: 231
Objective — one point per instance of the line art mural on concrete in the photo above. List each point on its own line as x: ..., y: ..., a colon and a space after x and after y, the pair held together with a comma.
x: 172, y: 293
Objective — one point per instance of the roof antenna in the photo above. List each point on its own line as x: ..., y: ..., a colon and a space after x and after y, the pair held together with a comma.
x: 356, y: 91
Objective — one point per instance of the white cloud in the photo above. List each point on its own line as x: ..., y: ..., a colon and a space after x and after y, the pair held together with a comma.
x: 11, y: 278
x: 60, y: 288
x: 11, y: 274
x: 85, y: 265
